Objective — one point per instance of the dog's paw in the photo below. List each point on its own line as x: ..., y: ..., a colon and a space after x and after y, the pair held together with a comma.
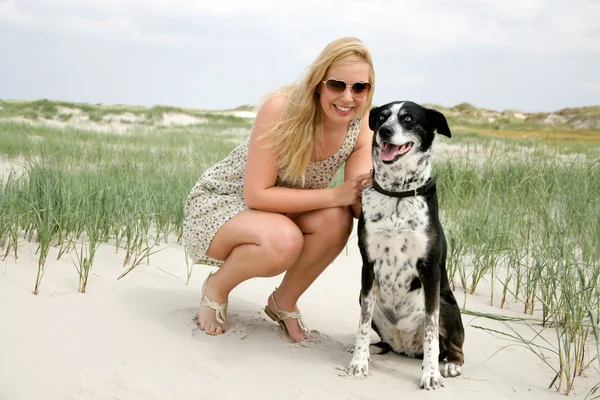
x: 358, y: 369
x: 450, y: 370
x: 431, y: 378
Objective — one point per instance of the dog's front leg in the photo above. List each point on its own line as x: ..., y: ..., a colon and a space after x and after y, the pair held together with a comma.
x: 359, y: 366
x: 430, y: 278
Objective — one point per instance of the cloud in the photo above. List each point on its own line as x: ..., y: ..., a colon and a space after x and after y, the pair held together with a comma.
x: 11, y: 14
x: 591, y: 86
x: 407, y: 79
x: 528, y: 54
x: 542, y: 26
x: 120, y: 28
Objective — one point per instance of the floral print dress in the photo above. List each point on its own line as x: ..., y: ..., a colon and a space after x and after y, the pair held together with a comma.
x: 218, y: 194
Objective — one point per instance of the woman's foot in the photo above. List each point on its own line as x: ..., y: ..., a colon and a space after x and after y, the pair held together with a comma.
x: 294, y: 327
x: 212, y: 317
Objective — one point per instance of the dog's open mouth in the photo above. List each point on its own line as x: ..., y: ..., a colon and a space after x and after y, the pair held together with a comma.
x: 391, y: 152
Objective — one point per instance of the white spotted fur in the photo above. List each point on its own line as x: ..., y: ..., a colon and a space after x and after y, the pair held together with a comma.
x: 393, y: 232
x: 412, y: 333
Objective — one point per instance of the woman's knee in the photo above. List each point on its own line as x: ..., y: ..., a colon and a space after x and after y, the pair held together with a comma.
x: 284, y: 244
x: 336, y: 223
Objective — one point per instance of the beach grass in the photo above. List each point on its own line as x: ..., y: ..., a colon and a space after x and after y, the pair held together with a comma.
x: 74, y: 188
x: 520, y: 210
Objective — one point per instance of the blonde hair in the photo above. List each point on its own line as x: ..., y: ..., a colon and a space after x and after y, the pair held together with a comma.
x: 300, y: 126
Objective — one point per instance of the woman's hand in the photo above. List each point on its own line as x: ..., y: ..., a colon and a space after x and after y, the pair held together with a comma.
x: 350, y: 191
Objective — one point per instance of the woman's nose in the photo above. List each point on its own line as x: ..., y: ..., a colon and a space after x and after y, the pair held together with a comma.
x: 347, y: 94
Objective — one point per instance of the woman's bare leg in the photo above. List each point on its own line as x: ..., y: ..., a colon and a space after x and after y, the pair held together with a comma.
x: 326, y: 232
x: 253, y: 244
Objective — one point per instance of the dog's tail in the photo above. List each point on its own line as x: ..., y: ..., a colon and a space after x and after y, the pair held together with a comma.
x: 455, y: 353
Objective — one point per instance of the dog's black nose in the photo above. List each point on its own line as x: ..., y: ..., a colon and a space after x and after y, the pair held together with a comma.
x: 385, y: 132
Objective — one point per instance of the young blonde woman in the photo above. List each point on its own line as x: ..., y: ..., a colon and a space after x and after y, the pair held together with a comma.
x: 266, y: 209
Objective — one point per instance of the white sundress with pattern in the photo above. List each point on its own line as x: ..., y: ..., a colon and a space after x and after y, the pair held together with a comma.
x: 218, y: 194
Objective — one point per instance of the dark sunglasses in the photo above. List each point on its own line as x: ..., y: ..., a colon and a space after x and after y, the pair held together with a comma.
x: 358, y: 89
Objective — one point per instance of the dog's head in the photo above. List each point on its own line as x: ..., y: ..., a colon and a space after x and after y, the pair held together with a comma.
x: 404, y: 132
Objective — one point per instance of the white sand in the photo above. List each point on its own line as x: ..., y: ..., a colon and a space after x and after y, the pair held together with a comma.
x: 78, y: 121
x: 239, y: 114
x: 244, y: 114
x: 111, y: 123
x: 136, y: 339
x: 12, y: 165
x: 498, y: 152
x: 124, y: 117
x: 178, y: 119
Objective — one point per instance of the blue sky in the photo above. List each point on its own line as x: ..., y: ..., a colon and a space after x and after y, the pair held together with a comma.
x: 531, y: 55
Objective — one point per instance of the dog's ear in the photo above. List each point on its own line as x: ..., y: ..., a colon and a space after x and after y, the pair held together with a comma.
x: 373, y: 116
x: 438, y: 122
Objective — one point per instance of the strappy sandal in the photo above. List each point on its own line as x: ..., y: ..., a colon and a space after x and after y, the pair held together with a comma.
x: 221, y: 309
x: 281, y: 315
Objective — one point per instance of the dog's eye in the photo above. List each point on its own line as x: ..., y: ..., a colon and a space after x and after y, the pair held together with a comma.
x: 407, y: 118
x: 381, y: 117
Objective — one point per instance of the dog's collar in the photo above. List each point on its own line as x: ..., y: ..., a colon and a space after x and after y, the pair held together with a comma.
x: 409, y: 193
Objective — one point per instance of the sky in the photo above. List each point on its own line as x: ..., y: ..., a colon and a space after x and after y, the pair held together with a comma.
x: 528, y: 55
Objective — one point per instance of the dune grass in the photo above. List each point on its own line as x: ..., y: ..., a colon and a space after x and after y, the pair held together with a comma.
x: 63, y: 111
x: 521, y: 216
x: 530, y: 228
x: 128, y: 190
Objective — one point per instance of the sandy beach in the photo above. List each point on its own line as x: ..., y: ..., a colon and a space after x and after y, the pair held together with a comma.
x: 112, y: 112
x: 136, y: 338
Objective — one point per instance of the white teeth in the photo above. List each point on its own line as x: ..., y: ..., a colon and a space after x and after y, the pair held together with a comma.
x: 344, y: 109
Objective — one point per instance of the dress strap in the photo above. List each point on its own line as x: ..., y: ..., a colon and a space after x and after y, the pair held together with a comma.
x: 353, y: 132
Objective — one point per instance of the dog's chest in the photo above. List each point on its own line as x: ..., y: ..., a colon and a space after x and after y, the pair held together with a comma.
x: 396, y: 237
x: 396, y: 229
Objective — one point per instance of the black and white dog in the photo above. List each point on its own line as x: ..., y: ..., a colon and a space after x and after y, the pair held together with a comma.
x: 405, y: 294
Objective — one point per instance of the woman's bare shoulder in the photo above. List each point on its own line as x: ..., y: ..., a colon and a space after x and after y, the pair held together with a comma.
x: 269, y: 114
x: 273, y: 106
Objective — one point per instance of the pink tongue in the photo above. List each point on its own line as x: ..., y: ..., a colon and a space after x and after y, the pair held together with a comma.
x: 389, y: 151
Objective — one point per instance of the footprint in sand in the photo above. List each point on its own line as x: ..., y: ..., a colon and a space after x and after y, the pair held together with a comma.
x: 238, y: 329
x: 241, y: 330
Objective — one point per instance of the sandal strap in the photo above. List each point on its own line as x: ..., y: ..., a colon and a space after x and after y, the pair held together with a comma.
x: 283, y: 314
x: 221, y: 309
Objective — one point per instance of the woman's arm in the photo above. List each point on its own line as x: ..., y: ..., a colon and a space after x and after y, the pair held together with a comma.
x: 261, y: 173
x: 360, y: 161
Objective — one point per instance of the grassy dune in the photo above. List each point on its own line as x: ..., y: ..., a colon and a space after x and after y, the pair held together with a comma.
x: 560, y: 123
x: 520, y: 206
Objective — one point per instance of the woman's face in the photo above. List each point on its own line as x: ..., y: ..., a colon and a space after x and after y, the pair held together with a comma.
x: 341, y: 108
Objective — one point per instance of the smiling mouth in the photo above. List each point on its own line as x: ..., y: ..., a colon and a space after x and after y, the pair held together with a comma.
x: 343, y: 109
x: 391, y: 152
